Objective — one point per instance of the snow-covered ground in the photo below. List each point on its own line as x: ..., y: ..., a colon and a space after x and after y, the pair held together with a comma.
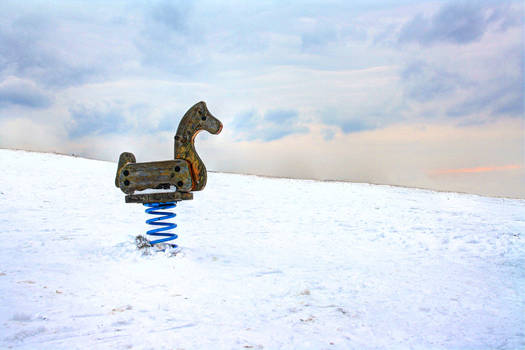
x: 265, y: 263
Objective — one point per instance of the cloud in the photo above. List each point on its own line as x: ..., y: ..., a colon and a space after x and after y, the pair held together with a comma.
x: 167, y: 123
x: 505, y: 17
x: 273, y: 125
x: 31, y: 46
x: 351, y: 122
x: 467, y: 88
x: 279, y: 116
x: 15, y: 91
x: 424, y: 82
x: 168, y: 40
x: 500, y: 97
x: 107, y: 117
x: 317, y: 33
x: 479, y: 169
x: 328, y: 134
x: 25, y: 133
x: 171, y: 15
x: 355, y: 125
x: 456, y: 23
x: 88, y: 122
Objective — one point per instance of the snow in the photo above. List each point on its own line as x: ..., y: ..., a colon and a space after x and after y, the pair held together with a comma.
x: 265, y: 263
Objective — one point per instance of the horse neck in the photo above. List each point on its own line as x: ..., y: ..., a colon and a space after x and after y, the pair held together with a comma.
x: 185, y: 149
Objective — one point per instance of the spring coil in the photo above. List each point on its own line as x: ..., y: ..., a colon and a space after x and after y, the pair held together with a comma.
x: 154, y: 209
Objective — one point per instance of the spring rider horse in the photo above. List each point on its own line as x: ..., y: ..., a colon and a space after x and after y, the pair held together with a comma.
x: 160, y: 185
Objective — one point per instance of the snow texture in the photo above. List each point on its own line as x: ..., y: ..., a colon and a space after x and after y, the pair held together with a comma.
x: 265, y: 264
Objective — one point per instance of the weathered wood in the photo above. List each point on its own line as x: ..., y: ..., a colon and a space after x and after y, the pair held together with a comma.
x: 124, y: 158
x: 196, y: 119
x: 159, y: 197
x: 155, y: 175
x: 186, y: 172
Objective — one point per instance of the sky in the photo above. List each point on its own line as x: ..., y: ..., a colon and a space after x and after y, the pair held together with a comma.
x: 413, y: 93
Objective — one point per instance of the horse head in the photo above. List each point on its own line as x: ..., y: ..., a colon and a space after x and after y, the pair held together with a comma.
x: 196, y: 119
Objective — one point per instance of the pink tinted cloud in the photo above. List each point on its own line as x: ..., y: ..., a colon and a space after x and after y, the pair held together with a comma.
x: 481, y: 169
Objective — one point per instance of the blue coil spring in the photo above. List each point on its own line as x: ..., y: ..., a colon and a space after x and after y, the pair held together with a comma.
x: 155, y: 209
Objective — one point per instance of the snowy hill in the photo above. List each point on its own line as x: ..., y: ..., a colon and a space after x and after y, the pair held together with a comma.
x: 265, y: 263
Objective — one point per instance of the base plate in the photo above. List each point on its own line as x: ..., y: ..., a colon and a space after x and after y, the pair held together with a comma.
x: 162, y: 197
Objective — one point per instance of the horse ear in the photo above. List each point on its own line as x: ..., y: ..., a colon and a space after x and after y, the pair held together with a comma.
x: 198, y: 104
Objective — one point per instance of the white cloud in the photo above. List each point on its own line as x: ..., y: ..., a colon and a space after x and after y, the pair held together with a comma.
x: 23, y: 92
